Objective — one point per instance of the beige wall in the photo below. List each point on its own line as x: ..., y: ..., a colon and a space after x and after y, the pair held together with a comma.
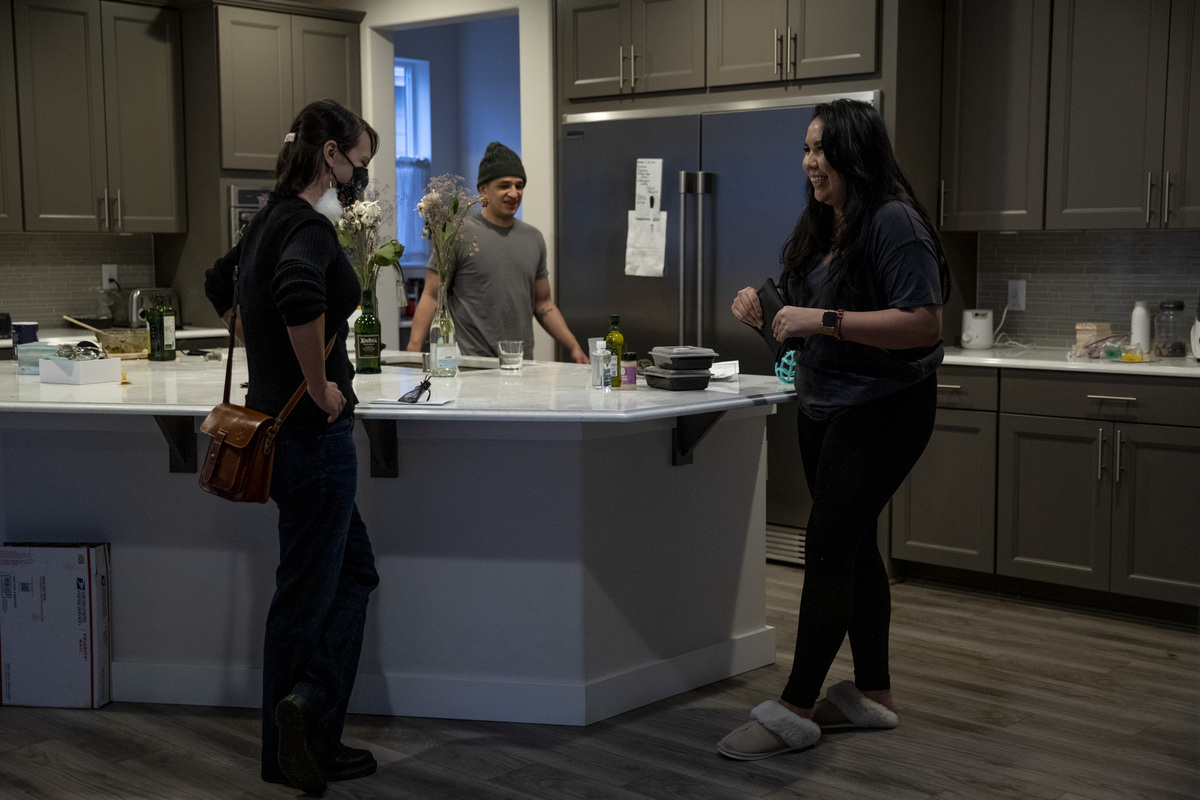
x: 538, y: 128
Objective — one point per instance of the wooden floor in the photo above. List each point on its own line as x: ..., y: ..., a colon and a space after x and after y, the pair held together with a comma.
x: 998, y: 699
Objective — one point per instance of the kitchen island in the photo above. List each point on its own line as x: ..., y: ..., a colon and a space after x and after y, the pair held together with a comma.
x: 548, y: 552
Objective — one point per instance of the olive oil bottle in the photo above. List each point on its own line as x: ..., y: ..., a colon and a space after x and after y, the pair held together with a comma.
x: 614, y: 340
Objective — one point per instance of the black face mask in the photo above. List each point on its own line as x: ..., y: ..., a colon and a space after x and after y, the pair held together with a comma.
x: 352, y: 189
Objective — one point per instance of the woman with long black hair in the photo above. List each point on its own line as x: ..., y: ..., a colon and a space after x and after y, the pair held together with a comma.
x: 865, y: 278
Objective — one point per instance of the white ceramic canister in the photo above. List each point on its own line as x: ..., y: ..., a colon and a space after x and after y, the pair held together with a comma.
x: 977, y: 329
x: 1140, y: 327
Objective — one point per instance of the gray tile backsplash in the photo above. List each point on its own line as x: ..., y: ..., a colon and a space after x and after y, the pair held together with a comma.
x: 1085, y: 276
x: 46, y: 275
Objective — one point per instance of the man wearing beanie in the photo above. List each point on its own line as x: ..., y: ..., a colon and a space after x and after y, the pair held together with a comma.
x: 496, y: 293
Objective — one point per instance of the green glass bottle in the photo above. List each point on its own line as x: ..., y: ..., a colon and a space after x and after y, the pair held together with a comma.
x: 367, y: 337
x: 160, y: 322
x: 614, y: 340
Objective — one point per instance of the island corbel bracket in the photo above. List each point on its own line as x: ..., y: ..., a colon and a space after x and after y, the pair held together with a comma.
x: 385, y: 455
x: 688, y: 432
x: 180, y: 433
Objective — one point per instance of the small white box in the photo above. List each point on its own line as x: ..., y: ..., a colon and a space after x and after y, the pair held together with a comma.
x: 61, y: 370
x: 55, y: 645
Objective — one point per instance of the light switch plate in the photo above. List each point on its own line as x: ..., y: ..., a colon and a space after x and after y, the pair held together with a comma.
x: 1016, y: 295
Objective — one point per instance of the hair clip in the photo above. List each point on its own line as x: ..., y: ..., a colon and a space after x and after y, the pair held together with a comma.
x: 291, y: 137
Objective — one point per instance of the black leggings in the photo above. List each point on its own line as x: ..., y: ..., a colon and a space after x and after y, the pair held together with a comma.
x: 853, y: 465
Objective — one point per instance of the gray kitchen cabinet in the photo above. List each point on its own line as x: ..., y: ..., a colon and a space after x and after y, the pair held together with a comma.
x: 1108, y: 99
x: 945, y: 511
x: 995, y: 83
x: 1181, y: 156
x: 100, y: 116
x: 1096, y: 489
x: 629, y: 46
x: 271, y: 65
x: 758, y: 41
x: 10, y: 149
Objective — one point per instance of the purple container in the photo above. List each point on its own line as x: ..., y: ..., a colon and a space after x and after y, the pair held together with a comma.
x: 23, y: 333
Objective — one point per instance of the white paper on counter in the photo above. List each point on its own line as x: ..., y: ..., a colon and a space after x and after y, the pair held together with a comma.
x: 647, y: 200
x: 646, y: 246
x: 394, y: 384
x: 724, y: 370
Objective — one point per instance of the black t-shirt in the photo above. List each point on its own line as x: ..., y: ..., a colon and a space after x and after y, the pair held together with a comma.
x: 903, y: 273
x: 292, y: 270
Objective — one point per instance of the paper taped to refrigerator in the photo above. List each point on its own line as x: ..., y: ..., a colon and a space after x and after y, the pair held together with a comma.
x: 646, y: 246
x: 647, y: 200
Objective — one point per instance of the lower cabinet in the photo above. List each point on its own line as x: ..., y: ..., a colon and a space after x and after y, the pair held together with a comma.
x: 1082, y: 480
x: 945, y: 512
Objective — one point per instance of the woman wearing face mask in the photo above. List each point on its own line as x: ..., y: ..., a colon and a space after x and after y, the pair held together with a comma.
x: 865, y: 277
x: 295, y: 289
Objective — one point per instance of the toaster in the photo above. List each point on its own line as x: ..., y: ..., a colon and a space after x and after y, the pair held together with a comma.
x: 140, y: 299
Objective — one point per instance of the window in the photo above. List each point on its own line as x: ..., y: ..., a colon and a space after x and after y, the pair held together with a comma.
x: 412, y: 154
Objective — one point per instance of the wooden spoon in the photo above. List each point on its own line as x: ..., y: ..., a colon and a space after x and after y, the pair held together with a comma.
x: 83, y: 324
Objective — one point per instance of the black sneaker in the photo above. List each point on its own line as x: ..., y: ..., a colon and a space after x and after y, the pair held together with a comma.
x: 302, y: 755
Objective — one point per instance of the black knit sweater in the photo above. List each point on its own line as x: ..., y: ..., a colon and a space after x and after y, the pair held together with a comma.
x: 292, y: 270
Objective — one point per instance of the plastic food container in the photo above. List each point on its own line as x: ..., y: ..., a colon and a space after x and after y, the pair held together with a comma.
x: 676, y: 379
x: 683, y: 357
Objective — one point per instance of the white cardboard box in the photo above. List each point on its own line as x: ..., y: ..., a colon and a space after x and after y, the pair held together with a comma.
x: 61, y: 370
x: 55, y: 646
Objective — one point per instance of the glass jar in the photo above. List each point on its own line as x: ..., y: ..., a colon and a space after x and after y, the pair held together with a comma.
x: 1170, y: 330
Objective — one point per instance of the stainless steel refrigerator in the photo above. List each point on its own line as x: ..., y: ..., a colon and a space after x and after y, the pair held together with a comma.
x: 728, y: 216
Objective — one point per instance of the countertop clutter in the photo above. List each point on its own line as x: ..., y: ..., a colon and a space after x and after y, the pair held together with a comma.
x: 540, y: 392
x: 1055, y: 358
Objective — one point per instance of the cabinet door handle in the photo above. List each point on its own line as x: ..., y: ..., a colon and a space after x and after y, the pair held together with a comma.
x: 105, y: 201
x: 942, y: 205
x: 775, y: 43
x: 120, y: 219
x: 621, y: 67
x: 791, y: 52
x: 1149, y: 175
x: 1100, y: 456
x: 1112, y: 397
x: 632, y: 68
x: 1117, y: 454
x: 948, y: 386
x: 1166, y: 204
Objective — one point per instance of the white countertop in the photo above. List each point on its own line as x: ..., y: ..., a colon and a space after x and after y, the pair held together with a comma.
x: 539, y: 392
x: 1055, y: 358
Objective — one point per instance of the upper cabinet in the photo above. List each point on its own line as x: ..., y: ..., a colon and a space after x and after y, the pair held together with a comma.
x: 271, y: 66
x: 10, y: 151
x: 628, y: 46
x: 631, y: 46
x: 1108, y: 91
x: 758, y: 41
x: 996, y: 58
x: 100, y: 116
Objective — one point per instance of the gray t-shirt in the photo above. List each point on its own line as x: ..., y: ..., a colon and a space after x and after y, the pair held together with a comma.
x: 491, y: 291
x: 833, y: 375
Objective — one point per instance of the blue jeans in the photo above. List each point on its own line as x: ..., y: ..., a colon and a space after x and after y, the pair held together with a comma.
x: 326, y: 572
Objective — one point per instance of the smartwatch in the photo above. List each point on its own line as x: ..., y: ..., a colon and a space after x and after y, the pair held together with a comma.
x: 829, y: 321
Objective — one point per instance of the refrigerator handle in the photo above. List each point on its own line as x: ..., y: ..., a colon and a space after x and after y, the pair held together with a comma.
x: 704, y: 181
x: 687, y: 185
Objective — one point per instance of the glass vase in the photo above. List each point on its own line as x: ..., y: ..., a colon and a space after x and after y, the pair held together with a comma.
x: 367, y: 340
x: 443, y: 349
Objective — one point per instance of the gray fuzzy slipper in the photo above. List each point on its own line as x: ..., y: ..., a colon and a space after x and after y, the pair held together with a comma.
x: 771, y: 731
x: 859, y: 710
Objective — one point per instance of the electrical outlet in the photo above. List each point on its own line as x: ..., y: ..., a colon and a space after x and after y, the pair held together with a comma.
x: 1016, y: 295
x: 108, y: 276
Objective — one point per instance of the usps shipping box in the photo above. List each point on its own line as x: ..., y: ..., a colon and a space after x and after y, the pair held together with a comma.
x: 55, y: 647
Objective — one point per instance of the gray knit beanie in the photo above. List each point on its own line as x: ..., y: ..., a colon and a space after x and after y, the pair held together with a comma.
x: 498, y: 161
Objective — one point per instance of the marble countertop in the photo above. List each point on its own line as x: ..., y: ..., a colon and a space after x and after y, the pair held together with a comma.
x: 1055, y: 358
x: 539, y: 392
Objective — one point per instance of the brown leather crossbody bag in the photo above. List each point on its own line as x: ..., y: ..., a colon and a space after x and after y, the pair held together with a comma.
x: 241, y: 447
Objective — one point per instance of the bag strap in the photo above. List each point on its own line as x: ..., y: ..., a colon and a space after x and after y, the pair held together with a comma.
x: 296, y: 395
